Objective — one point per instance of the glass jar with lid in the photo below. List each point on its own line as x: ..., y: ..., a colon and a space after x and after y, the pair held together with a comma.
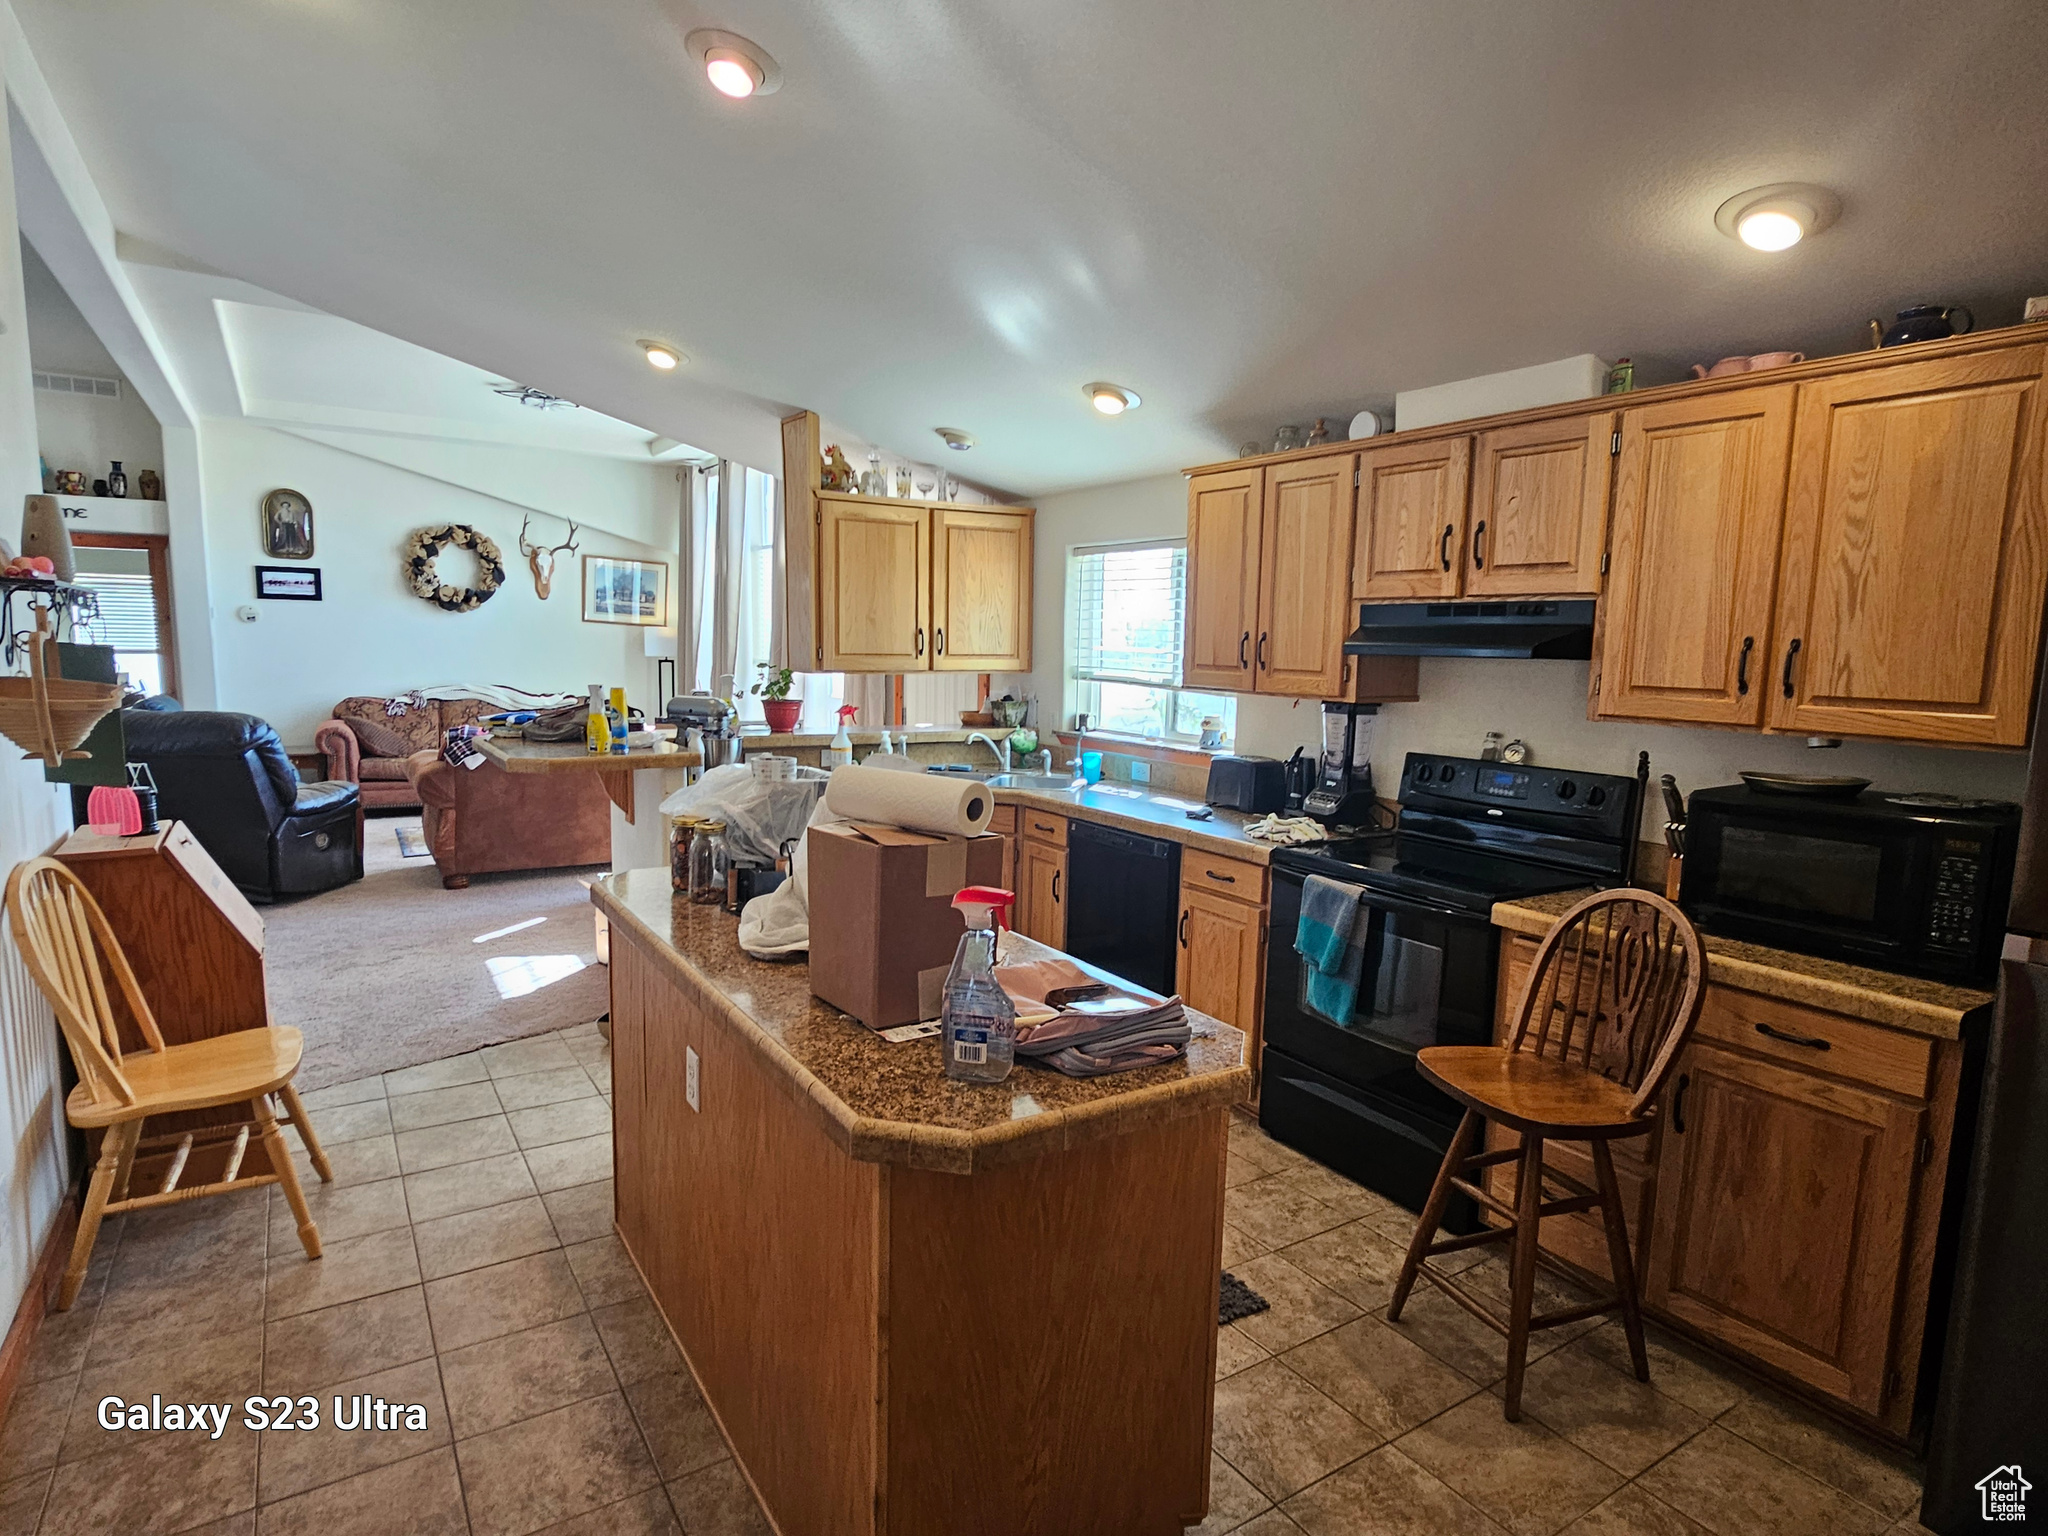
x: 707, y: 863
x: 679, y: 852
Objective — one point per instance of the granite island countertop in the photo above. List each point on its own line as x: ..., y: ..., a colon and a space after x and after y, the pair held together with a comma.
x: 1929, y: 1008
x: 893, y: 1103
x: 1134, y: 809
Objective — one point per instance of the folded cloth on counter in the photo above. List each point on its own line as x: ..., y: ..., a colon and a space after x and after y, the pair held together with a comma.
x: 1115, y: 1030
x: 1275, y: 828
x: 1331, y: 937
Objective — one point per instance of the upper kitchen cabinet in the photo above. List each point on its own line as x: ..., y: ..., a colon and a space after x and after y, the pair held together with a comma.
x: 1304, y: 555
x: 874, y: 586
x: 1698, y: 503
x: 1915, y: 552
x: 1539, y: 508
x: 886, y: 584
x: 981, y: 591
x: 1222, y: 603
x: 1411, y: 520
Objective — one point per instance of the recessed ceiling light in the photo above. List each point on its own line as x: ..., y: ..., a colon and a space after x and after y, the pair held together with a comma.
x: 955, y: 439
x: 661, y: 356
x: 1110, y: 399
x: 735, y: 66
x: 1777, y: 217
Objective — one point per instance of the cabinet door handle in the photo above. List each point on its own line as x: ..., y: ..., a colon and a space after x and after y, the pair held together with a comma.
x: 1811, y: 1042
x: 1791, y: 651
x: 1443, y: 548
x: 938, y: 642
x: 1226, y: 879
x: 1478, y: 535
x: 1678, y: 1103
x: 1262, y: 651
x: 1243, y: 644
x: 1185, y: 914
x: 920, y: 639
x: 1742, y: 664
x: 1056, y: 887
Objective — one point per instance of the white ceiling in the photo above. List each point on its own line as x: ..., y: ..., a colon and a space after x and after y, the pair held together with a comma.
x: 958, y: 213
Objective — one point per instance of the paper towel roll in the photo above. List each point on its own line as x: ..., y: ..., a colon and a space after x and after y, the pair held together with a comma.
x: 922, y: 802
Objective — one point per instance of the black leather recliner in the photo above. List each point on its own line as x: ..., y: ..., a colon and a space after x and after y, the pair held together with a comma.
x: 226, y: 777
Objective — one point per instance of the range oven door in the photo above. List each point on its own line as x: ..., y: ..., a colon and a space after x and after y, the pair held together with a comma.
x: 1347, y: 1091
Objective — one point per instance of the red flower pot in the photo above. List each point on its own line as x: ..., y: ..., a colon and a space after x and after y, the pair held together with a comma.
x: 783, y: 714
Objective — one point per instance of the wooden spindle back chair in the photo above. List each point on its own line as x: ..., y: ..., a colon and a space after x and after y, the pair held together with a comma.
x: 1612, y: 995
x: 70, y: 950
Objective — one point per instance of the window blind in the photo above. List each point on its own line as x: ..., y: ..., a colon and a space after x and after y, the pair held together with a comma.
x: 128, y: 612
x: 1128, y: 613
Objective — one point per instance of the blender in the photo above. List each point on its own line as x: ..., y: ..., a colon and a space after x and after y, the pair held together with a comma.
x: 1343, y: 792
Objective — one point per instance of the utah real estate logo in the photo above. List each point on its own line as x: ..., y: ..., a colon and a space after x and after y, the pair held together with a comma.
x: 2005, y: 1494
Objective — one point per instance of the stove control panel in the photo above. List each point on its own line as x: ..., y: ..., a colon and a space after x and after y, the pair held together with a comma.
x: 1472, y: 787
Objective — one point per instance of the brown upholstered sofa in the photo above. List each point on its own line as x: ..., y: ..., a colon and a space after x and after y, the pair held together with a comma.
x: 480, y: 820
x: 367, y: 746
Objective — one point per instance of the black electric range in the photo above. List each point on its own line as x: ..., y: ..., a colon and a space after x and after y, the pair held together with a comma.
x: 1471, y: 833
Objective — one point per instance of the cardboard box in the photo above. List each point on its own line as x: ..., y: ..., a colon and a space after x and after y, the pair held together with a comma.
x: 883, y: 928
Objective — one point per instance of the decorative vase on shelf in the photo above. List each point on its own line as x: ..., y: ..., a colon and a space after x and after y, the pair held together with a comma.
x: 117, y: 481
x: 148, y: 486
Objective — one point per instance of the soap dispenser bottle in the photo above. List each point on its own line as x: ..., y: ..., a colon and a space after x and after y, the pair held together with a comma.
x: 977, y: 1020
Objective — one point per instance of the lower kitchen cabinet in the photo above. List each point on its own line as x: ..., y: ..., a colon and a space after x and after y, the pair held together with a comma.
x: 1004, y: 824
x: 1222, y: 940
x: 1785, y: 1204
x: 1042, y: 877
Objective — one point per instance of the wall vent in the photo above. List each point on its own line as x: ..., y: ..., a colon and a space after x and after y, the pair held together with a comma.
x: 79, y: 384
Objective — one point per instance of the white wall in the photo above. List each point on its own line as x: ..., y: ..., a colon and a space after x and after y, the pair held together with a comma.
x: 32, y: 1160
x: 83, y: 432
x: 1543, y: 702
x: 370, y: 635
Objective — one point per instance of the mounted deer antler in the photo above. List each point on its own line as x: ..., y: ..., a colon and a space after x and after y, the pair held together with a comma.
x: 542, y: 561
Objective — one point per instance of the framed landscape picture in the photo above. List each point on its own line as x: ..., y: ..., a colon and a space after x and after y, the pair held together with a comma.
x: 617, y: 591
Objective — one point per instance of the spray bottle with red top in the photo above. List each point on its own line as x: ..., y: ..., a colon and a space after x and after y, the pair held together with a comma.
x: 977, y: 1020
x: 840, y: 753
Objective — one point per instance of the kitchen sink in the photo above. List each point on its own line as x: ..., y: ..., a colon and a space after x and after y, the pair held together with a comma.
x: 1052, y: 781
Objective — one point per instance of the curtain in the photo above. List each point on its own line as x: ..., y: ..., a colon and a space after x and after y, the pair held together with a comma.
x: 695, y: 597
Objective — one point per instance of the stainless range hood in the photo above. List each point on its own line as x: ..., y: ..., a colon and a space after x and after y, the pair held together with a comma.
x: 1548, y: 630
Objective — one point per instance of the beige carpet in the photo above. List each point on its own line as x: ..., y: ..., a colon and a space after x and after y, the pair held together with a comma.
x: 388, y: 972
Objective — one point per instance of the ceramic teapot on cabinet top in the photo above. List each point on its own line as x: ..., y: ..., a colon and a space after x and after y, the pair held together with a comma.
x: 1923, y: 322
x: 1749, y: 364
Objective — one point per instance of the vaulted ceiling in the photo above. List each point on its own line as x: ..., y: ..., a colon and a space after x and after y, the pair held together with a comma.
x: 957, y: 212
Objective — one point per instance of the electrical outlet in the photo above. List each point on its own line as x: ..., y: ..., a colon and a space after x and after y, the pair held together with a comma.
x: 1141, y: 771
x: 690, y: 1076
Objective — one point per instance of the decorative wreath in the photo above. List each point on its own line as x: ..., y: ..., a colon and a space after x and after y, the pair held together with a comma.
x: 424, y: 545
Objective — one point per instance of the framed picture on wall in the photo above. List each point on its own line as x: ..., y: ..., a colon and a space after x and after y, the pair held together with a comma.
x: 617, y: 591
x: 301, y: 583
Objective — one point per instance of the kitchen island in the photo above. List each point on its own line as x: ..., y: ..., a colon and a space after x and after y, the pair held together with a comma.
x: 916, y: 1307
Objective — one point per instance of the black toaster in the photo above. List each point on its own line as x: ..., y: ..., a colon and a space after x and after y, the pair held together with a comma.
x: 1254, y: 785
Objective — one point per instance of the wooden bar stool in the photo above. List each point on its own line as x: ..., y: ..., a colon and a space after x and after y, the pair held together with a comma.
x: 1615, y: 990
x: 63, y: 936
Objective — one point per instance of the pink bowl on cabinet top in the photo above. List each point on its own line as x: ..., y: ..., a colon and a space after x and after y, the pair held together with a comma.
x: 1749, y: 364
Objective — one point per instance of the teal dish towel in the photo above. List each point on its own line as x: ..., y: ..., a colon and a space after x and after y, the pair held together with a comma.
x: 1331, y: 938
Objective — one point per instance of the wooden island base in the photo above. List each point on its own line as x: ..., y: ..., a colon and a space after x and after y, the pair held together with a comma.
x: 1028, y: 1347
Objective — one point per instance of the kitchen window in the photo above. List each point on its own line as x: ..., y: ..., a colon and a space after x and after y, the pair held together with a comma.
x: 130, y: 575
x: 1127, y: 602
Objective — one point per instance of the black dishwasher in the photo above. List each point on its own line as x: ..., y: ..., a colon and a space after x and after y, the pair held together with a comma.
x: 1123, y: 897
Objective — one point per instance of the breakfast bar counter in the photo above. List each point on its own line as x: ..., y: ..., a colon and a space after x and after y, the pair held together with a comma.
x: 915, y: 1305
x: 637, y: 781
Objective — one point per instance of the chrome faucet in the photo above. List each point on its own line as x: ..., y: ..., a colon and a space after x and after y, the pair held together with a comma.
x: 1000, y: 748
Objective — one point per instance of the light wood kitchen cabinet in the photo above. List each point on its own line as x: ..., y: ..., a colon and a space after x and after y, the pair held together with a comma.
x: 1411, y: 521
x: 1698, y: 503
x: 981, y: 590
x: 874, y: 592
x: 1225, y: 508
x: 1221, y: 934
x: 1004, y: 824
x: 1305, y: 550
x: 1042, y: 877
x: 1914, y: 566
x: 1539, y: 508
x: 883, y: 584
x: 1782, y: 1217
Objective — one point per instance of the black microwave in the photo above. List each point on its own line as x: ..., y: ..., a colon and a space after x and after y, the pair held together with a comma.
x: 1911, y: 883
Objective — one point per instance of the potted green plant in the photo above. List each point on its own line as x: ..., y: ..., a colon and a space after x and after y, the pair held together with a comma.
x: 782, y: 711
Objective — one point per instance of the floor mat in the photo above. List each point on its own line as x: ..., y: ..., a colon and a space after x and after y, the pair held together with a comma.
x: 1236, y: 1300
x: 393, y: 971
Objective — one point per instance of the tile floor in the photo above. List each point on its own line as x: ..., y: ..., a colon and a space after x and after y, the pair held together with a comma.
x: 470, y: 1267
